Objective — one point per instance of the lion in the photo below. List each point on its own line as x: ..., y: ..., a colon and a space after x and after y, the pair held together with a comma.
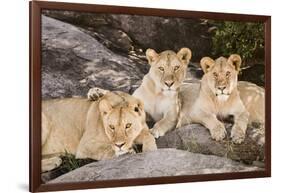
x: 160, y: 86
x: 99, y: 130
x: 219, y: 96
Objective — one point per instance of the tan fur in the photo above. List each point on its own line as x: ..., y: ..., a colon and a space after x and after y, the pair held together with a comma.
x: 93, y: 129
x: 221, y: 95
x: 159, y: 88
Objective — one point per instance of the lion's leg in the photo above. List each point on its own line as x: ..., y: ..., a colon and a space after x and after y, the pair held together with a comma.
x: 45, y: 129
x: 50, y: 163
x: 167, y: 123
x: 183, y: 120
x: 163, y: 126
x: 98, y: 149
x: 147, y: 140
x: 210, y: 121
x: 95, y: 93
x: 239, y: 128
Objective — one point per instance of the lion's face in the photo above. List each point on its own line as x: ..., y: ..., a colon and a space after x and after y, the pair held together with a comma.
x: 168, y: 69
x: 122, y: 124
x: 221, y: 75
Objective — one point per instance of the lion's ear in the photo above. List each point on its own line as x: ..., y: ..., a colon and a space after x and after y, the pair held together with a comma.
x: 184, y: 54
x: 105, y: 107
x: 140, y: 105
x: 136, y: 106
x: 151, y: 55
x: 235, y: 60
x: 206, y: 63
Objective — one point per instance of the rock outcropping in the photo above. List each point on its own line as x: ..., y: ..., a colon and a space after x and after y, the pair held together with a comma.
x: 162, y: 162
x: 196, y: 138
x: 73, y: 62
x: 134, y: 33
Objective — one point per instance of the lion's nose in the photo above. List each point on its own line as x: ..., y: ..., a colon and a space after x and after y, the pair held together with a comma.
x: 119, y: 145
x: 169, y: 83
x: 221, y: 88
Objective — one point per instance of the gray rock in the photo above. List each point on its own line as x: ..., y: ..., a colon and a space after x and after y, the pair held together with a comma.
x: 73, y: 62
x: 196, y: 138
x: 163, y: 162
x: 166, y: 33
x: 130, y: 32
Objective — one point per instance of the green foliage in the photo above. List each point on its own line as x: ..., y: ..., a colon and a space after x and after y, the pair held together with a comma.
x: 69, y: 162
x: 246, y: 39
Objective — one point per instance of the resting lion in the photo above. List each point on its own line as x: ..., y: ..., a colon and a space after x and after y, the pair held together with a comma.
x: 98, y: 130
x: 221, y: 95
x: 159, y: 87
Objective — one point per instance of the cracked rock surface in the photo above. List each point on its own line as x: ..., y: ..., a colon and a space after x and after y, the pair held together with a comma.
x: 152, y: 164
x: 196, y: 138
x: 73, y: 62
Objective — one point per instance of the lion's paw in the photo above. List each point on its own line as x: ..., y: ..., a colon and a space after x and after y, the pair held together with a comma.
x: 149, y: 146
x: 132, y: 151
x: 237, y: 134
x: 157, y: 132
x: 51, y: 163
x: 219, y: 132
x: 95, y: 93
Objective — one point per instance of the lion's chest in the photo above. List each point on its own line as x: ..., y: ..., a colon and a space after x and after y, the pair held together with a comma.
x: 224, y: 109
x: 160, y: 105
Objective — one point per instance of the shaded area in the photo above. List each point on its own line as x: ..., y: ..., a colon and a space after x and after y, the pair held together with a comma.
x: 73, y: 62
x: 69, y: 163
x: 133, y: 33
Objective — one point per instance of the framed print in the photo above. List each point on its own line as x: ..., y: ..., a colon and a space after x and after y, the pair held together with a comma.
x: 123, y: 96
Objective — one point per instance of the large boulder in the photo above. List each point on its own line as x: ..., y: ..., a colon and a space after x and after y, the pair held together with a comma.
x: 130, y: 32
x: 159, y: 163
x: 73, y: 62
x: 196, y: 138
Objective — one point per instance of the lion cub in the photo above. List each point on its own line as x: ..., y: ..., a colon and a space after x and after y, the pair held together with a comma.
x: 221, y: 95
x: 98, y: 130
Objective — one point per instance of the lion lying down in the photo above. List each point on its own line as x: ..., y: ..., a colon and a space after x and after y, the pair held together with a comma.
x: 98, y: 130
x: 220, y: 95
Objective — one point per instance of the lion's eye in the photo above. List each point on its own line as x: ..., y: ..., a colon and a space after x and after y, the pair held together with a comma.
x: 227, y: 73
x: 161, y: 69
x: 215, y: 74
x: 112, y: 127
x: 128, y: 125
x: 176, y: 68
